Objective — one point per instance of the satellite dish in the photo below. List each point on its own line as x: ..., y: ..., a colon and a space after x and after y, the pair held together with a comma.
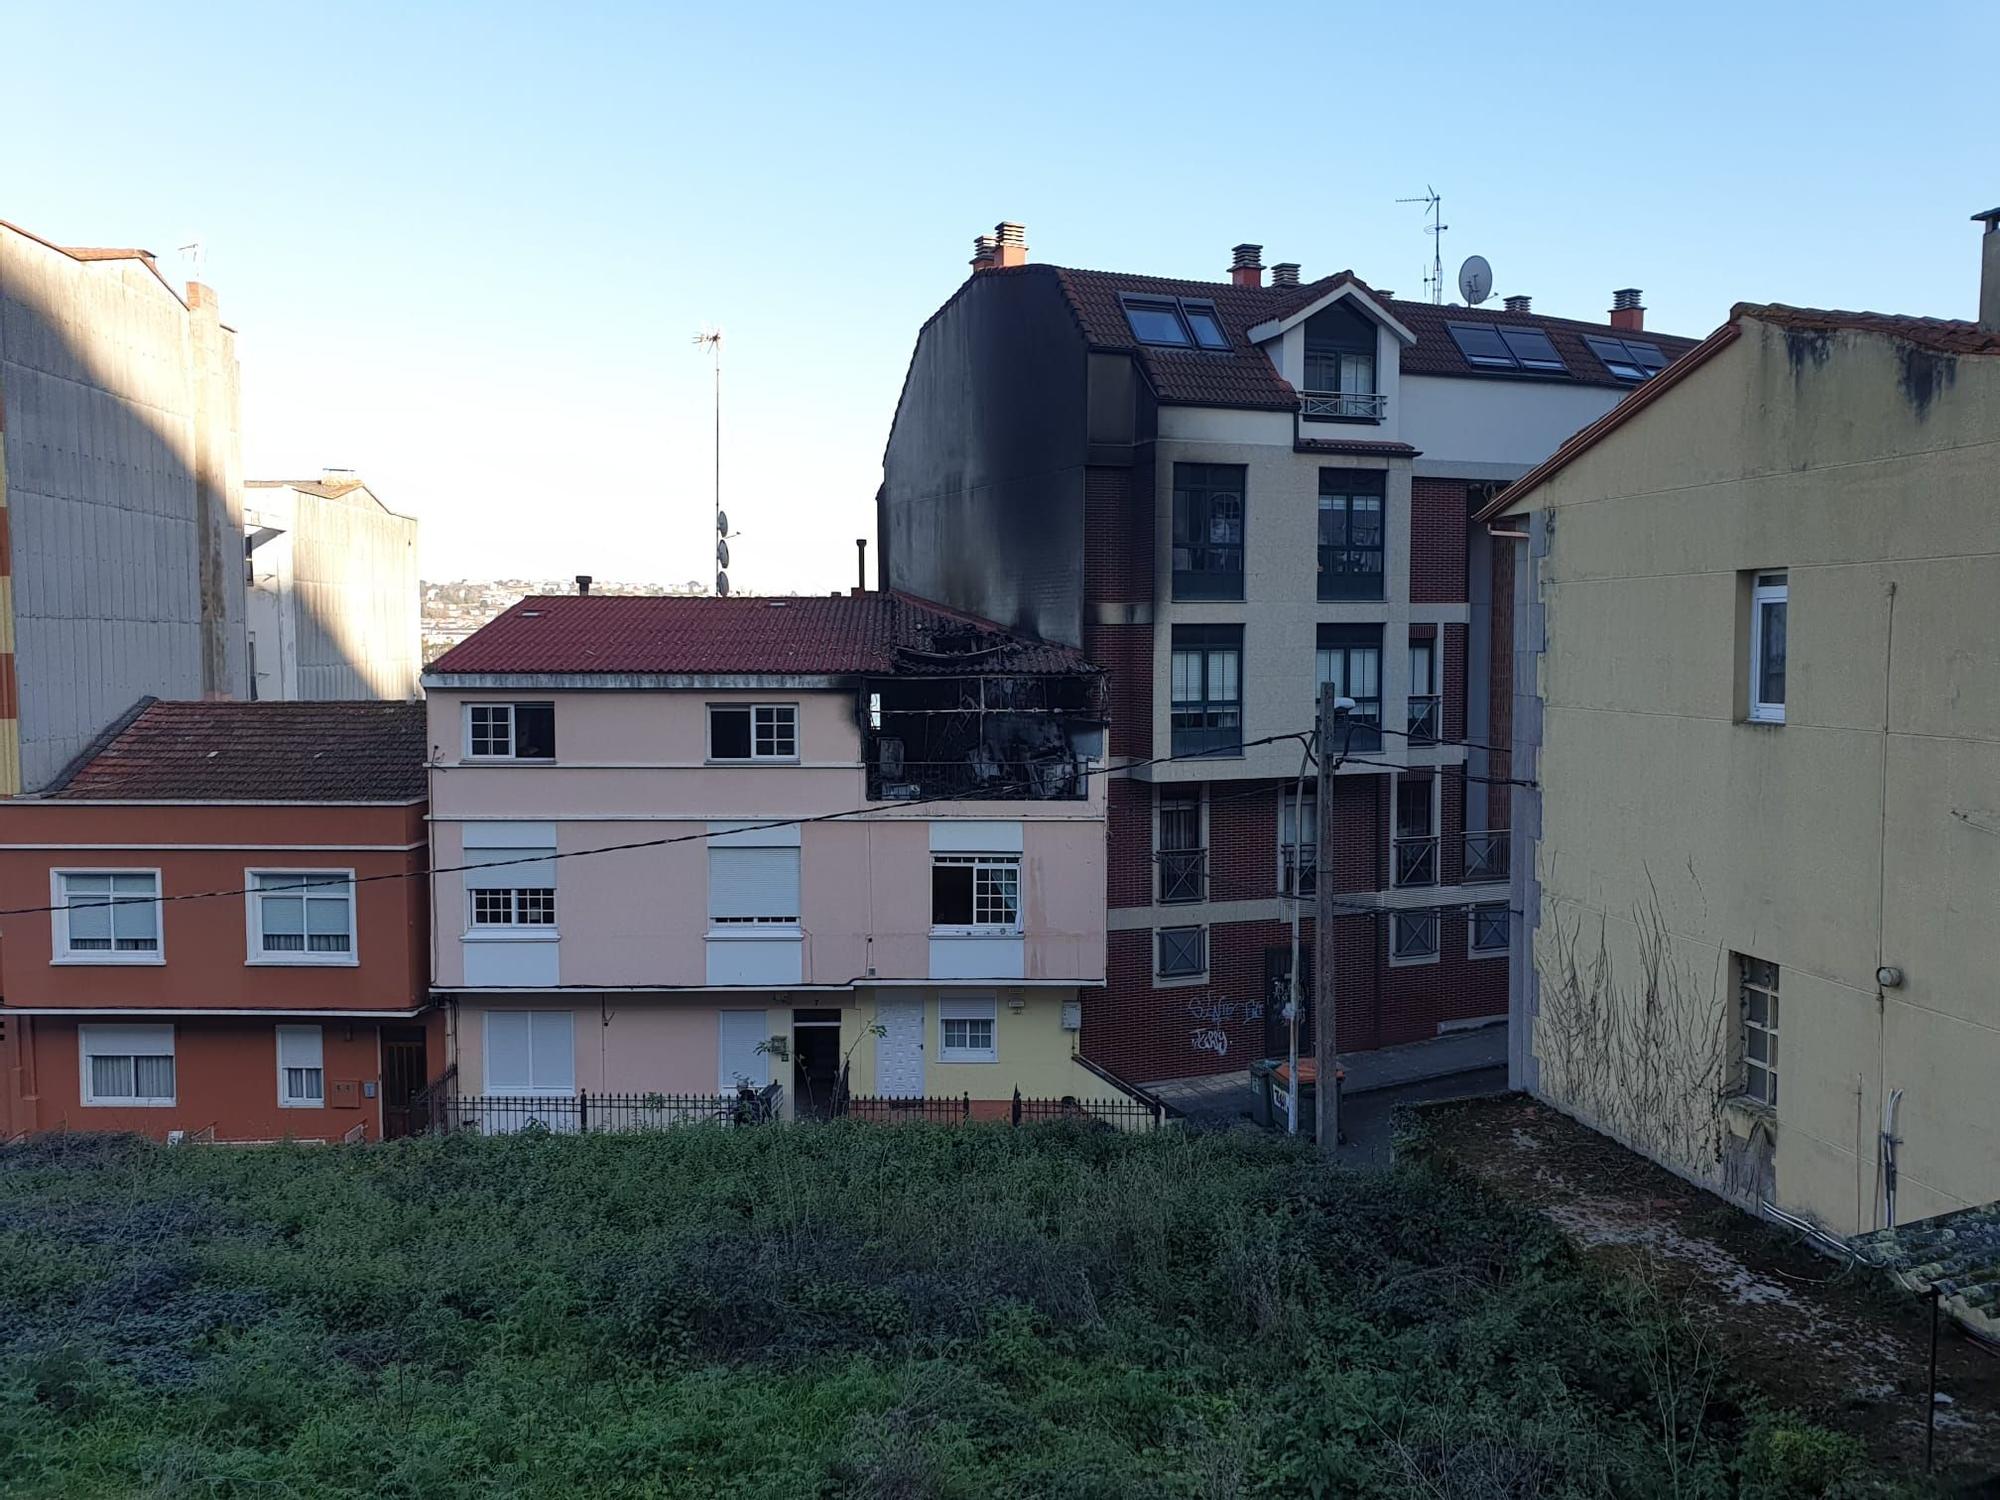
x: 721, y: 585
x: 722, y: 516
x: 1475, y: 280
x: 722, y: 551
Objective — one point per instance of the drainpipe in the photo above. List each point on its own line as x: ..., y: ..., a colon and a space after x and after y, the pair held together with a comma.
x: 1890, y: 1141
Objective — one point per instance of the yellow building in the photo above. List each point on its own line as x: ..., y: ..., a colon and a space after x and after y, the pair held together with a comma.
x: 1757, y: 691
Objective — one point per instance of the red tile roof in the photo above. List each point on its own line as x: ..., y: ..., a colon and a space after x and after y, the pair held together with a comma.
x: 254, y: 752
x: 1945, y: 335
x: 810, y: 635
x: 1358, y: 446
x: 1436, y: 352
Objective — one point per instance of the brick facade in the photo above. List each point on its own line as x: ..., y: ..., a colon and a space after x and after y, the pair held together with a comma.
x: 1437, y: 541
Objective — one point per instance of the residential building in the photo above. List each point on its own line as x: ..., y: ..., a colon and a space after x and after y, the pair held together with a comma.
x: 219, y: 927
x: 333, y: 590
x: 1226, y: 493
x: 1758, y: 864
x: 837, y: 844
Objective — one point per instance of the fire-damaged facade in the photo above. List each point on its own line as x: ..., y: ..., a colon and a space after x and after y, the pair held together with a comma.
x: 954, y: 723
x: 1225, y: 493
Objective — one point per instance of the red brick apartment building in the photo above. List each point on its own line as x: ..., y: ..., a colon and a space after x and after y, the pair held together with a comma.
x: 1227, y: 492
x: 213, y: 922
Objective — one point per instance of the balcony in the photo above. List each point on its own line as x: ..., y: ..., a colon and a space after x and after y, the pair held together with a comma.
x: 1486, y: 856
x: 1353, y: 406
x: 1416, y: 861
x: 1299, y: 870
x: 1426, y: 714
x: 1183, y: 875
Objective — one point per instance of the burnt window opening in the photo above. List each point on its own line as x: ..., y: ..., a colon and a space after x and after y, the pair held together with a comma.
x: 999, y: 738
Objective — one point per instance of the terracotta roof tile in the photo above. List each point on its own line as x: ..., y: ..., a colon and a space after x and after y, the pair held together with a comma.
x: 811, y: 635
x: 254, y: 752
x: 1355, y: 446
x: 1945, y: 335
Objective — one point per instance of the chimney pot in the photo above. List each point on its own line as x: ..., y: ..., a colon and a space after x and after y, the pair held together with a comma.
x: 582, y: 584
x: 1285, y: 273
x: 1010, y: 244
x: 861, y: 565
x: 1246, y: 265
x: 985, y: 252
x: 1521, y: 305
x: 1989, y: 270
x: 1628, y: 314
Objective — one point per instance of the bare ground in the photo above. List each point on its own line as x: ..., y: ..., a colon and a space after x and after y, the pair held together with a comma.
x: 1835, y: 1344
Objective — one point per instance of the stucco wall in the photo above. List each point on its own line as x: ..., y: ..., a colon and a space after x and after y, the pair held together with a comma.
x: 1863, y: 831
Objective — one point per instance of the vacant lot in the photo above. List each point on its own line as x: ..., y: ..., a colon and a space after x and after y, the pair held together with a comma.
x: 852, y: 1310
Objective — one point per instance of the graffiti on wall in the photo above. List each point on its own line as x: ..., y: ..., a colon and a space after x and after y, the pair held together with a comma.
x: 1216, y: 1011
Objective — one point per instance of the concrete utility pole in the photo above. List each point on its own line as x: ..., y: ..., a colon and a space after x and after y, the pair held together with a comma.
x: 1333, y: 730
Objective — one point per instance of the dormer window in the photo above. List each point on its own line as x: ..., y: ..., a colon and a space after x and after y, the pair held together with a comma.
x: 1175, y: 322
x: 1628, y: 359
x: 1340, y: 366
x: 1496, y: 346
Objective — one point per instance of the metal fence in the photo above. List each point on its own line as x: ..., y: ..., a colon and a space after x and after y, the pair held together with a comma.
x: 888, y: 1111
x: 569, y: 1114
x: 1120, y: 1114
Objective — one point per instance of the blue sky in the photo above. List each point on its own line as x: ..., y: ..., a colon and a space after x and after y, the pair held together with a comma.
x: 466, y: 247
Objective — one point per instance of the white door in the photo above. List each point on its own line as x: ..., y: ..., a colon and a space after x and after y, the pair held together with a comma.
x: 737, y: 1058
x: 899, y: 1050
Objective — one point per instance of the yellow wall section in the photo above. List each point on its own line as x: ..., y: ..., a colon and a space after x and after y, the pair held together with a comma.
x: 1036, y: 1055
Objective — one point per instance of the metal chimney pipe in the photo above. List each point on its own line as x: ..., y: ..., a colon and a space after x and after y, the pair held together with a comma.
x: 861, y: 563
x: 1989, y: 270
x: 582, y: 583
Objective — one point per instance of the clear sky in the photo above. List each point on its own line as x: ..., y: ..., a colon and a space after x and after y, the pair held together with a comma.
x: 466, y: 247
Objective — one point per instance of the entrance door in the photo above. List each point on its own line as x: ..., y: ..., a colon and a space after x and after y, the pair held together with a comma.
x: 815, y: 1062
x: 1277, y: 971
x: 899, y: 1049
x: 403, y: 1078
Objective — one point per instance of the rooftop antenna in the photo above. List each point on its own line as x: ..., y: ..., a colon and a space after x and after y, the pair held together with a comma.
x: 1434, y: 210
x: 711, y: 338
x: 197, y: 255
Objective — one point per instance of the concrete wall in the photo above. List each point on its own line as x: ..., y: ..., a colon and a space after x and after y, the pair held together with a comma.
x: 118, y: 458
x: 1862, y: 831
x: 1495, y: 426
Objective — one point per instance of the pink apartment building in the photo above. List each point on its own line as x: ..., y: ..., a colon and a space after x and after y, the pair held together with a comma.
x: 684, y: 844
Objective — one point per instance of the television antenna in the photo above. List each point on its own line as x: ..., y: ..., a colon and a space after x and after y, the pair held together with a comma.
x: 711, y: 339
x: 1434, y: 211
x: 196, y: 255
x: 1475, y: 280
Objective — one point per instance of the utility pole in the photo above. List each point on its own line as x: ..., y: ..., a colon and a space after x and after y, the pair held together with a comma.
x: 1294, y: 991
x: 1333, y: 729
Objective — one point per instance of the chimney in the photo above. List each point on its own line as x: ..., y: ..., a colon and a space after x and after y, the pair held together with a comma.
x: 1285, y: 273
x: 1010, y: 245
x: 861, y: 565
x: 1519, y: 305
x: 1383, y: 294
x: 1627, y: 313
x: 985, y: 253
x: 1989, y: 270
x: 582, y: 584
x: 1246, y: 265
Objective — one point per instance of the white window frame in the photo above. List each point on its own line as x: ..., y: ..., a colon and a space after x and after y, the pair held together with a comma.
x: 1437, y: 936
x: 973, y: 1010
x: 286, y: 1098
x: 1768, y: 1028
x: 1764, y: 590
x: 511, y: 705
x: 253, y: 907
x: 1165, y: 980
x: 60, y: 950
x: 89, y: 1096
x: 1472, y: 948
x: 515, y: 905
x: 508, y: 1091
x: 980, y: 863
x: 755, y: 756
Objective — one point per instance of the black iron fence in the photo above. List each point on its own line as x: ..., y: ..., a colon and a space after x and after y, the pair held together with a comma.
x: 888, y: 1111
x: 1121, y: 1114
x: 569, y: 1114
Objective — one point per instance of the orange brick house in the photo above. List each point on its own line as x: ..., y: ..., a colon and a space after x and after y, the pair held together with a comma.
x: 213, y: 922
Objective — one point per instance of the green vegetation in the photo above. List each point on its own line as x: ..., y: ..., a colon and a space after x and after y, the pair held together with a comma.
x: 845, y: 1310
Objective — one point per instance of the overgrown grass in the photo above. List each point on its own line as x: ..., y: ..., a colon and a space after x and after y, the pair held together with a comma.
x: 873, y: 1311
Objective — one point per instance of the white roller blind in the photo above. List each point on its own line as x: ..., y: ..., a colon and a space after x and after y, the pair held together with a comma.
x: 965, y: 1010
x: 540, y: 875
x: 507, y: 1050
x: 300, y: 1047
x: 753, y: 883
x: 740, y: 1033
x: 553, y: 1052
x: 128, y: 1041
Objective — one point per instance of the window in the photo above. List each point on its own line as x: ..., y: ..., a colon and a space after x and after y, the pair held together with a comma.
x: 1175, y: 322
x: 1757, y: 999
x: 1183, y: 849
x: 510, y: 731
x: 530, y: 1052
x: 1769, y: 597
x: 1182, y: 952
x: 131, y: 1065
x: 1413, y: 937
x: 301, y: 1068
x: 976, y: 892
x: 302, y: 916
x: 1424, y: 700
x: 506, y: 907
x: 1208, y: 531
x: 1298, y: 843
x: 1498, y: 346
x: 1350, y: 658
x: 1490, y: 928
x: 1415, y: 846
x: 753, y: 886
x: 1350, y: 533
x: 1340, y: 360
x: 107, y: 916
x: 753, y: 731
x: 1207, y: 689
x: 966, y: 1031
x: 1628, y: 359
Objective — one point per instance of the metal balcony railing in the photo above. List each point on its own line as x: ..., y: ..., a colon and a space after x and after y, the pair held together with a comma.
x: 1367, y: 406
x: 1425, y: 717
x: 1299, y: 872
x: 1416, y: 861
x: 1183, y: 875
x: 1486, y: 856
